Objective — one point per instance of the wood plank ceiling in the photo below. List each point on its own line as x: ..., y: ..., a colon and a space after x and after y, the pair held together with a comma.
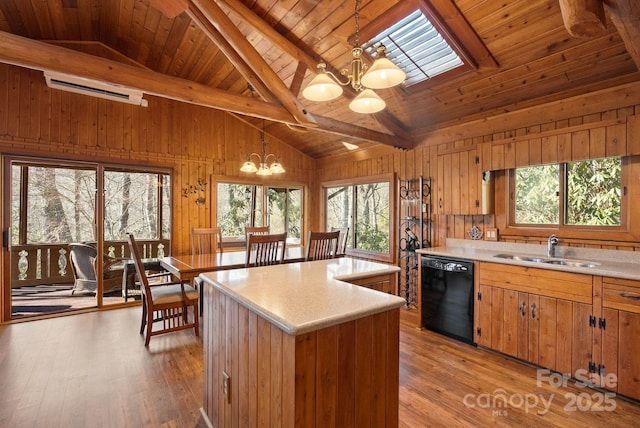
x: 523, y: 53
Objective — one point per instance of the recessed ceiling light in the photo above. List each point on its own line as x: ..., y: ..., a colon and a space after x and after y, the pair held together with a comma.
x: 350, y: 146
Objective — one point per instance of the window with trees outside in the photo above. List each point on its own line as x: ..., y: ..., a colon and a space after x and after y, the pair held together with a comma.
x: 364, y: 208
x: 581, y: 193
x: 239, y: 205
x: 53, y: 204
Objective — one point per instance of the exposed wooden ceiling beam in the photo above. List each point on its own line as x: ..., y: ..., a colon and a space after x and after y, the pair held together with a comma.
x: 169, y: 8
x: 36, y: 55
x: 23, y: 52
x: 625, y: 15
x: 248, y: 54
x: 287, y: 46
x: 240, y: 65
x: 270, y: 33
x: 348, y: 130
x: 583, y: 18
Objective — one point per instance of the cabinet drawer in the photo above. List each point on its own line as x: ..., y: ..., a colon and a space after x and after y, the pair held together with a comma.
x: 544, y: 282
x: 621, y: 294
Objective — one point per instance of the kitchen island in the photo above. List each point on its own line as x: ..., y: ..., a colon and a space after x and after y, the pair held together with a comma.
x: 297, y: 345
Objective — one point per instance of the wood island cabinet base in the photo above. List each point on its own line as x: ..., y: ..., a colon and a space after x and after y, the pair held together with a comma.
x: 344, y: 375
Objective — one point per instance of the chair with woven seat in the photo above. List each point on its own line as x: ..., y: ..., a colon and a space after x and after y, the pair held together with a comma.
x: 342, y: 242
x: 265, y: 250
x: 163, y: 303
x: 83, y: 258
x: 206, y: 240
x: 322, y: 245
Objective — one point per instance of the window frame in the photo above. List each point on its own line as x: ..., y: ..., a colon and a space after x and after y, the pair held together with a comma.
x: 463, y: 41
x: 234, y: 241
x: 388, y: 257
x: 586, y: 231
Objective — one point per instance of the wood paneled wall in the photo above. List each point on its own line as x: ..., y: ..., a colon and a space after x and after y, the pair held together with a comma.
x: 194, y: 142
x: 581, y: 132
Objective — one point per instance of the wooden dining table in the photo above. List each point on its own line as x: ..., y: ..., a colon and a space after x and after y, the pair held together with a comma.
x: 189, y: 266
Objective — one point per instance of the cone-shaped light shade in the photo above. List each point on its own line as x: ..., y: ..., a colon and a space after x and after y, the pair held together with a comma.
x: 248, y: 166
x: 367, y: 102
x: 383, y: 74
x: 322, y: 88
x: 263, y: 170
x: 276, y: 168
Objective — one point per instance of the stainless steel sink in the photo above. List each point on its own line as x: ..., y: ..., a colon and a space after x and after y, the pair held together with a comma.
x: 572, y: 263
x: 520, y: 258
x: 559, y: 262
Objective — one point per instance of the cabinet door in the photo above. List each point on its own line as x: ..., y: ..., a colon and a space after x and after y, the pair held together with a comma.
x: 523, y: 326
x: 459, y: 183
x: 609, y: 358
x: 511, y: 318
x: 547, y: 339
x: 497, y: 319
x: 484, y: 316
x: 581, y: 339
x: 628, y: 351
x: 533, y: 313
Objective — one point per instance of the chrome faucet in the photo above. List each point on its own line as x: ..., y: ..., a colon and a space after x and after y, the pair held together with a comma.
x: 552, y: 242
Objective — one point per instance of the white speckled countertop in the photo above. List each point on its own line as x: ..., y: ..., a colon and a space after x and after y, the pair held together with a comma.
x: 613, y: 263
x: 307, y: 296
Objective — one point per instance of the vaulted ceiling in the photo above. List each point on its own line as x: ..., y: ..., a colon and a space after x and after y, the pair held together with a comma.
x: 208, y: 51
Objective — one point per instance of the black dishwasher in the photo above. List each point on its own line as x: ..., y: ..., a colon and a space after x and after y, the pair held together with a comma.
x: 447, y: 296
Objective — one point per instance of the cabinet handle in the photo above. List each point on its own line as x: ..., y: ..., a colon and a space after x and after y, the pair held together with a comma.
x: 523, y: 308
x: 440, y: 203
x: 533, y: 310
x: 630, y: 296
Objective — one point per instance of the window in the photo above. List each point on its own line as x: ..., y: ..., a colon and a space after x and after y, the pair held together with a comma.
x: 240, y: 205
x: 365, y: 209
x: 55, y: 203
x: 423, y: 44
x: 52, y: 204
x: 416, y: 46
x: 284, y: 212
x: 138, y: 203
x: 582, y: 193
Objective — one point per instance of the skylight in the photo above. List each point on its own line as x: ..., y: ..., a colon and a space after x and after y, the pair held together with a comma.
x: 417, y: 47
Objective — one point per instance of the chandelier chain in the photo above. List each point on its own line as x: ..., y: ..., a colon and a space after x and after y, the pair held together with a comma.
x: 357, y: 17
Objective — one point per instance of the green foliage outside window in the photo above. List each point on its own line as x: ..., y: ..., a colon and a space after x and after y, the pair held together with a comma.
x: 240, y: 205
x: 592, y: 194
x: 364, y: 209
x: 536, y: 190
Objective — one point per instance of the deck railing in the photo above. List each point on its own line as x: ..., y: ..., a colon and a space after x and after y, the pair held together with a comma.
x: 36, y: 264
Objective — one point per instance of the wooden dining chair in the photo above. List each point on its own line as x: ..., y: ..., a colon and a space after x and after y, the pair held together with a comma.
x: 164, y: 304
x: 255, y: 230
x: 322, y: 245
x: 206, y: 240
x: 264, y: 250
x: 342, y: 241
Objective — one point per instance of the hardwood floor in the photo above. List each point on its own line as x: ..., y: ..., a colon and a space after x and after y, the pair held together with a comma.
x: 91, y: 370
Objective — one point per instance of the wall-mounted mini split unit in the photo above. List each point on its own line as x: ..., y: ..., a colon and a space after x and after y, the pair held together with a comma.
x: 94, y: 88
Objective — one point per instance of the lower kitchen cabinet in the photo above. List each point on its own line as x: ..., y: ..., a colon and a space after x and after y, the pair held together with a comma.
x: 386, y: 283
x: 580, y: 325
x: 538, y: 329
x: 619, y: 327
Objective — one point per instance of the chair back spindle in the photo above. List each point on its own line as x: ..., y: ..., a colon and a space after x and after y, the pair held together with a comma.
x: 265, y: 250
x: 206, y: 240
x: 342, y: 242
x: 322, y: 245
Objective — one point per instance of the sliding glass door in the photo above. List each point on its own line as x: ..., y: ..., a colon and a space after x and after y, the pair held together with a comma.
x: 65, y: 228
